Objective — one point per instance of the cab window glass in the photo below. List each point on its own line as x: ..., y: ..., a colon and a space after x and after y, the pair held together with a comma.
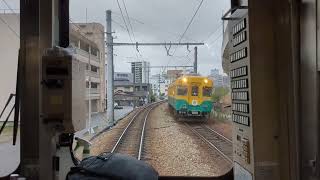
x: 207, y: 91
x: 194, y: 90
x: 182, y: 90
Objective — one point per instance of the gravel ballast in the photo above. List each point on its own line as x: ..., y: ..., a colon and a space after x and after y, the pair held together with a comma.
x: 175, y: 151
x: 169, y: 146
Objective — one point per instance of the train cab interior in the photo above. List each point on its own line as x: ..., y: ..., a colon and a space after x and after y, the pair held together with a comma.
x: 275, y: 42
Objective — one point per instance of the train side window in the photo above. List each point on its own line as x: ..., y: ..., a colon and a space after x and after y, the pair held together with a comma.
x: 207, y: 91
x: 194, y: 90
x: 182, y: 90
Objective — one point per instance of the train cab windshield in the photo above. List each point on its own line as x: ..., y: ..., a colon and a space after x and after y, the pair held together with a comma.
x: 207, y: 91
x: 182, y: 90
x: 194, y: 90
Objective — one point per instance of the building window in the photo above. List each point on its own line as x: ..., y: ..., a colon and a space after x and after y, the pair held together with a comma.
x: 94, y: 68
x: 94, y: 85
x: 94, y: 51
x: 84, y: 46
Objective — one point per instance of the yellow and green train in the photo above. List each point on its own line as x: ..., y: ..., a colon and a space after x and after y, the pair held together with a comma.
x: 191, y: 96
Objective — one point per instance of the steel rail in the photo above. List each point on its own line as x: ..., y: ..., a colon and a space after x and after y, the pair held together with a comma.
x: 131, y: 121
x: 143, y: 130
x: 125, y: 130
x: 209, y: 143
x: 219, y: 134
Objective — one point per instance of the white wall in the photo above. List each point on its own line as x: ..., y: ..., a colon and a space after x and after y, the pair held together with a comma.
x: 9, y: 46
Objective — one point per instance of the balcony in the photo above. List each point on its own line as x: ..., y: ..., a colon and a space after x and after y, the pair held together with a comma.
x: 84, y: 57
x: 94, y: 93
x: 92, y: 74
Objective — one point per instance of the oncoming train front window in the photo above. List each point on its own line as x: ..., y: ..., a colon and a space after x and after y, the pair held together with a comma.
x: 207, y: 91
x: 182, y: 90
x: 194, y: 90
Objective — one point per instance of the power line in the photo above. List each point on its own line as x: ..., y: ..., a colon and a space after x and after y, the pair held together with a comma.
x: 125, y: 24
x: 194, y: 15
x: 212, y: 42
x: 79, y: 29
x: 213, y: 32
x: 5, y: 2
x: 189, y: 24
x: 120, y: 25
x: 11, y: 29
x: 134, y: 38
x: 124, y: 21
x: 125, y: 8
x: 158, y: 27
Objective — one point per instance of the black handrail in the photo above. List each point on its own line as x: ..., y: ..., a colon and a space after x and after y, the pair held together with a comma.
x: 5, y: 107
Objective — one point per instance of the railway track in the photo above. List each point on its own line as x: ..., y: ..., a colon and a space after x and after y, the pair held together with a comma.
x: 215, y: 140
x: 131, y: 139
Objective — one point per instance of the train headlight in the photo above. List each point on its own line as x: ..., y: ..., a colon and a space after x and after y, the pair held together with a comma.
x: 184, y: 80
x: 206, y: 81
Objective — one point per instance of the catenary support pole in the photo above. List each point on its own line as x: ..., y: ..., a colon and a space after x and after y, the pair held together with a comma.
x: 110, y: 110
x: 195, y: 60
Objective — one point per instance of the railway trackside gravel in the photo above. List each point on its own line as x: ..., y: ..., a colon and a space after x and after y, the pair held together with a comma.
x: 174, y: 151
x: 105, y: 141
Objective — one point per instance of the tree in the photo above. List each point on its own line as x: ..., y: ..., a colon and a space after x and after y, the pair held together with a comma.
x: 153, y: 98
x: 218, y: 93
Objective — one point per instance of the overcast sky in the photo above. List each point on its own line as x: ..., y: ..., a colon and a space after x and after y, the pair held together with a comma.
x: 158, y: 21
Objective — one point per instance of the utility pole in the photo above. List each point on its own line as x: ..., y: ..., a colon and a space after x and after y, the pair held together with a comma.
x: 110, y: 44
x: 110, y: 101
x: 195, y: 65
x: 89, y: 102
x: 159, y: 81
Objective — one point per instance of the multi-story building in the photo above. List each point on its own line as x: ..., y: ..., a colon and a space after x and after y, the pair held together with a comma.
x: 226, y: 81
x: 172, y: 75
x: 220, y: 80
x: 123, y: 76
x: 140, y: 71
x: 214, y: 72
x: 87, y: 41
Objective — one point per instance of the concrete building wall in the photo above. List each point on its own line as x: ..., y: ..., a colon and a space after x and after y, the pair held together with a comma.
x: 140, y: 71
x: 123, y: 76
x: 88, y: 41
x: 123, y: 89
x: 82, y: 37
x: 9, y: 46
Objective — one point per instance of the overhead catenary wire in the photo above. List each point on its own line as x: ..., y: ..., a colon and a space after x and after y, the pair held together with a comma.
x: 9, y: 27
x: 125, y: 23
x: 158, y: 27
x: 129, y: 22
x: 188, y: 26
x: 119, y: 24
x: 11, y: 9
x: 212, y: 33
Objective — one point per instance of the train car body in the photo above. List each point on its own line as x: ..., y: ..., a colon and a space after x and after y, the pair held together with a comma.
x: 191, y: 96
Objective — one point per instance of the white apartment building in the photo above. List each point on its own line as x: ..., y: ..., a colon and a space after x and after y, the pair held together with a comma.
x: 140, y: 71
x: 9, y: 46
x: 87, y: 40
